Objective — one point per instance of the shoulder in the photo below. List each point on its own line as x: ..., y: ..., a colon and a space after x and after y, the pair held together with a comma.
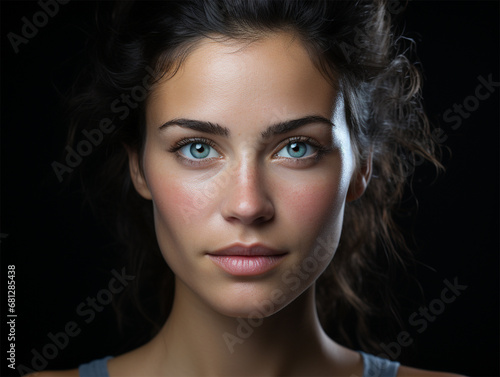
x: 55, y: 373
x: 405, y: 371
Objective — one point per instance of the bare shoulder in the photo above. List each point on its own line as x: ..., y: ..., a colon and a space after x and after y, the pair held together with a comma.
x: 55, y: 373
x: 405, y: 371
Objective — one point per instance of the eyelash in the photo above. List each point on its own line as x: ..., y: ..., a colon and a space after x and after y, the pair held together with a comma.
x: 319, y: 153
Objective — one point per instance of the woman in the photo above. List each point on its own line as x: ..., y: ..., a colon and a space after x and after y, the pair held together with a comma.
x: 239, y: 139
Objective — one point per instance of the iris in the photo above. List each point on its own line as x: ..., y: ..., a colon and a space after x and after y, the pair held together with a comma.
x: 296, y: 149
x: 199, y: 150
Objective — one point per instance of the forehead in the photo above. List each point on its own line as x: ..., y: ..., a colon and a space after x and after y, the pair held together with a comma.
x: 236, y: 81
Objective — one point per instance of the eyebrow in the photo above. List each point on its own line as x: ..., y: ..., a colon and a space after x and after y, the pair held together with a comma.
x: 275, y: 129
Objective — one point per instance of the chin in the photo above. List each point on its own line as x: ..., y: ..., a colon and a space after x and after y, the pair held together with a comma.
x: 255, y: 305
x: 249, y: 312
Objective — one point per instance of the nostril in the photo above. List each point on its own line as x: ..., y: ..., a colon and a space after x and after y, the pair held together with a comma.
x: 247, y: 198
x: 248, y: 209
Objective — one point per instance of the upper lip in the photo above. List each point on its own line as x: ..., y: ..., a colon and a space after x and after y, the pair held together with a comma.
x: 247, y: 250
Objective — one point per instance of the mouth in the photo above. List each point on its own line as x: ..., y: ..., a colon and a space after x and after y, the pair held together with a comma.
x: 241, y: 260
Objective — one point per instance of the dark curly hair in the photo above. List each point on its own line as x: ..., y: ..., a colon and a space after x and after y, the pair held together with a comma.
x: 352, y: 43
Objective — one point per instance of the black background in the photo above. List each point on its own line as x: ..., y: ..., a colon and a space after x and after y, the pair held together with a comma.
x: 62, y: 257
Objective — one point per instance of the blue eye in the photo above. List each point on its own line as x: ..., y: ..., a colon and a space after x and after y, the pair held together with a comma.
x: 296, y: 150
x: 198, y: 151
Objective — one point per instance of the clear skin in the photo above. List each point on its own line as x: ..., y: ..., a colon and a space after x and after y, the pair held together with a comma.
x: 248, y: 189
x: 245, y: 193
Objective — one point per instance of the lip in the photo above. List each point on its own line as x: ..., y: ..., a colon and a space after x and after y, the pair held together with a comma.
x: 251, y: 260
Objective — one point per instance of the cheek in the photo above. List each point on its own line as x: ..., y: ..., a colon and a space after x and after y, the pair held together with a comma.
x: 316, y: 202
x: 177, y: 211
x: 177, y: 199
x: 178, y: 206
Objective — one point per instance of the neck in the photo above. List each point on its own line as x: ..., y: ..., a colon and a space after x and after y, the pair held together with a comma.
x: 197, y: 340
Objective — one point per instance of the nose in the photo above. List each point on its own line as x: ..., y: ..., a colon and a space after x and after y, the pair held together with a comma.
x: 246, y: 199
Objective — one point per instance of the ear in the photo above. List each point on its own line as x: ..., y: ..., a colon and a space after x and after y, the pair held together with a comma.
x: 359, y: 180
x: 136, y: 174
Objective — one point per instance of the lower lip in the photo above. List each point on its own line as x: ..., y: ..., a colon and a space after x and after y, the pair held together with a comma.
x: 245, y: 265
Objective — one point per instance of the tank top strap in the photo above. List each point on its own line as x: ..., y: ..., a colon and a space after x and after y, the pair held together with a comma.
x: 374, y: 366
x: 96, y: 368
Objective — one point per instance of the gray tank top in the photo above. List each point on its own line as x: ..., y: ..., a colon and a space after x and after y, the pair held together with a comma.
x: 373, y: 366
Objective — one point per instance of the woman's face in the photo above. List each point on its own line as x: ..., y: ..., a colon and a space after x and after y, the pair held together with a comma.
x: 228, y: 168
